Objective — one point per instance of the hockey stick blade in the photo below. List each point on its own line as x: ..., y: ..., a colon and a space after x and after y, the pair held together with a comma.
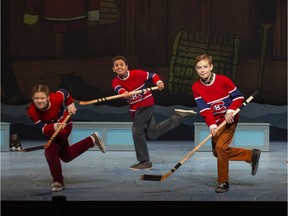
x: 32, y: 148
x: 151, y: 177
x: 160, y: 177
x: 147, y: 177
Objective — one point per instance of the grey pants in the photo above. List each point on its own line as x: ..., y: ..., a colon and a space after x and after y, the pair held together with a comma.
x: 144, y: 124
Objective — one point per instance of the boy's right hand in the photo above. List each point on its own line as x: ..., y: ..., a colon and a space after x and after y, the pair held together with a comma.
x: 126, y: 94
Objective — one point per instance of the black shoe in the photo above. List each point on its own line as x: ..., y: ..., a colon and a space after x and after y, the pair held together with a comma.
x: 222, y: 187
x: 255, y: 160
x: 146, y: 165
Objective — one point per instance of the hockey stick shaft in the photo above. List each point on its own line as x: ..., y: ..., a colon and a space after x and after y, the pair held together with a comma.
x: 196, y: 148
x: 48, y: 143
x: 117, y: 96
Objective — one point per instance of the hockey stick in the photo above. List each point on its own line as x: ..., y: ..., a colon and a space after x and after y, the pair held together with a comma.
x: 117, y: 96
x: 46, y: 145
x: 183, y: 160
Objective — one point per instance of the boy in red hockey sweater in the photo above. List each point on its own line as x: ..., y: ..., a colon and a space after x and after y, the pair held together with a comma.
x: 141, y: 108
x: 217, y: 98
x: 48, y: 111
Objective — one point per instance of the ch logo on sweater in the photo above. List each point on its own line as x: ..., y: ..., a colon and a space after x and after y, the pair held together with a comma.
x: 135, y: 97
x: 218, y: 107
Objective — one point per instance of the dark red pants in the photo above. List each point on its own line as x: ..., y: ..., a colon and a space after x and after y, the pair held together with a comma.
x: 61, y: 150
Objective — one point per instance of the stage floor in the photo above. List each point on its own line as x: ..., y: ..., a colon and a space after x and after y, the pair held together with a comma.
x: 95, y: 176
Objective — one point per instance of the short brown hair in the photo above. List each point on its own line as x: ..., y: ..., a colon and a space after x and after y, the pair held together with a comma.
x: 202, y: 57
x: 119, y: 57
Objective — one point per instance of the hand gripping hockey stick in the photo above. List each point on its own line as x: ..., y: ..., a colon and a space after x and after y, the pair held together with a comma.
x: 183, y: 160
x: 46, y: 145
x: 117, y: 96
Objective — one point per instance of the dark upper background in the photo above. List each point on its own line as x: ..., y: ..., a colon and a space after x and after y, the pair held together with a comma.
x: 144, y: 31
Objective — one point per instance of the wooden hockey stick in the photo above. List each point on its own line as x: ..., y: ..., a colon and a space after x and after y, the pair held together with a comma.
x: 46, y: 145
x: 183, y: 160
x: 117, y: 96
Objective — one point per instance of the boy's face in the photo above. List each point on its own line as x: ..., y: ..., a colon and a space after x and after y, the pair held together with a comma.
x: 40, y: 99
x: 120, y: 67
x: 204, y: 69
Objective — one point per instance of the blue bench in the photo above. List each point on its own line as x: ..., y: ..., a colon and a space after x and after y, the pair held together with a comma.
x: 118, y: 135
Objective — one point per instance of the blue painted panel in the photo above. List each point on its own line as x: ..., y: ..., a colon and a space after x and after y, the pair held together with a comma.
x: 115, y: 135
x: 5, y: 136
x: 79, y: 134
x: 241, y: 138
x: 247, y: 138
x: 119, y: 137
x: 203, y: 134
x: 2, y: 137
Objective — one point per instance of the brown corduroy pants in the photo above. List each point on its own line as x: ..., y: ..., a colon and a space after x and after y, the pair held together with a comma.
x: 224, y: 153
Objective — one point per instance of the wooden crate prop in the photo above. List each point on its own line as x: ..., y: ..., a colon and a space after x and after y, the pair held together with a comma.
x: 188, y: 45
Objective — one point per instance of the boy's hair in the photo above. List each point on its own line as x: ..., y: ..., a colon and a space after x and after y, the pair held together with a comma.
x: 202, y: 57
x: 40, y: 88
x: 119, y: 57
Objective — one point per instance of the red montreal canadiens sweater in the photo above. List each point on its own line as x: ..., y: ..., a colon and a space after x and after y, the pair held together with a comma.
x: 136, y: 80
x: 216, y: 98
x: 56, y: 112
